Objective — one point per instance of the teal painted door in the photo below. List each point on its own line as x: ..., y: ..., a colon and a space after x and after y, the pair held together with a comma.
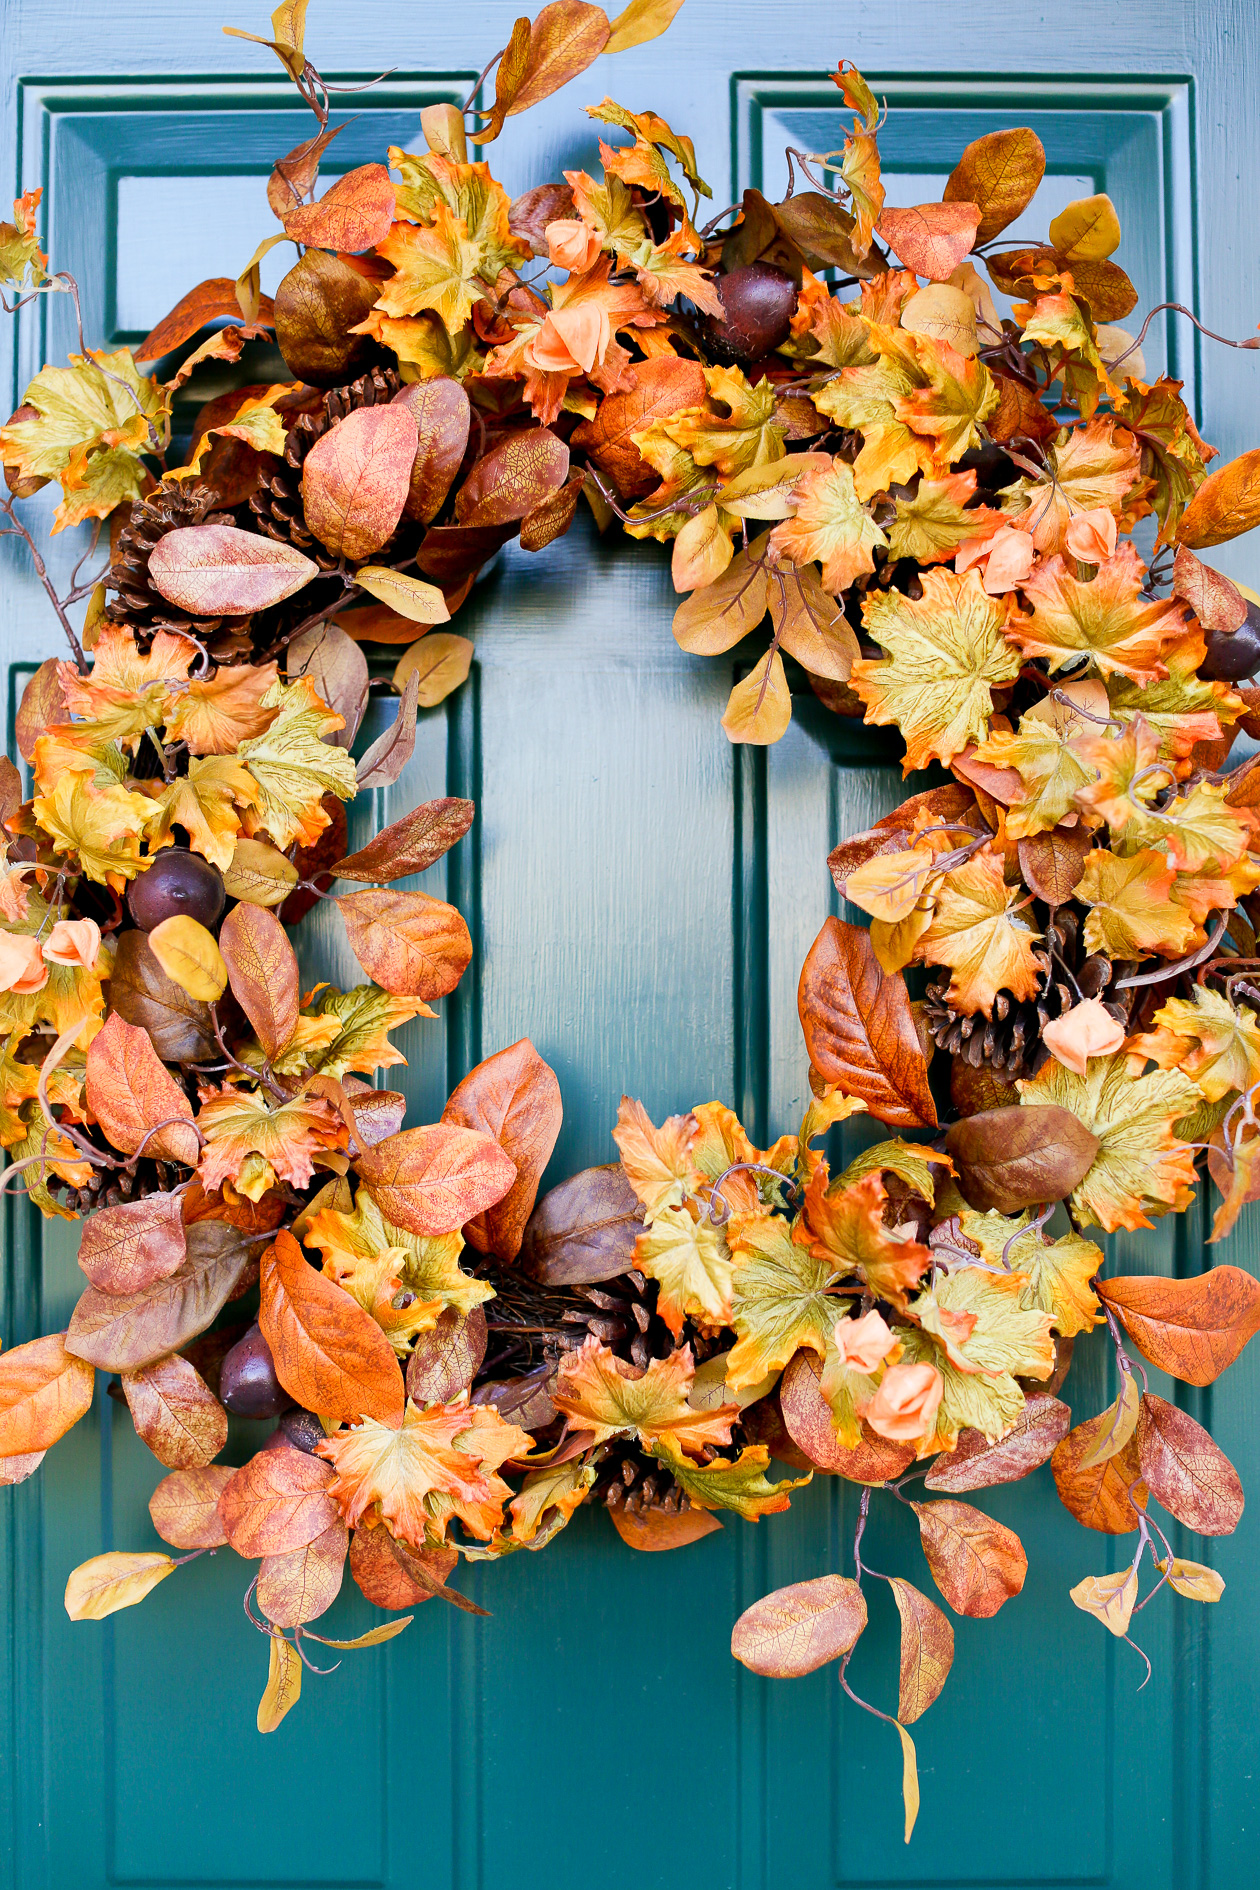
x: 641, y: 897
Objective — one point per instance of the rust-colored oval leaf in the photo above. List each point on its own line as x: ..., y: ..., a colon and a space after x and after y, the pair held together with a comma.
x: 413, y: 946
x: 663, y: 386
x: 1191, y: 1329
x: 356, y: 478
x: 284, y: 1683
x: 515, y: 1097
x: 1186, y: 1472
x: 175, y: 1413
x: 354, y: 214
x: 800, y: 1628
x: 263, y: 972
x: 1225, y: 505
x: 1052, y: 863
x: 319, y: 303
x: 859, y: 1028
x: 442, y: 412
x: 126, y: 1248
x: 116, y: 1580
x: 1218, y: 604
x: 409, y: 845
x: 180, y: 1028
x: 301, y: 1584
x: 583, y: 1231
x: 124, y: 1331
x: 329, y: 1354
x: 439, y: 663
x: 130, y: 1091
x: 42, y: 706
x: 293, y: 175
x: 445, y: 1360
x: 517, y: 475
x: 433, y: 1180
x: 221, y: 571
x: 931, y: 238
x: 209, y: 302
x: 1104, y: 1496
x: 380, y: 1574
x: 975, y: 1464
x: 976, y: 1563
x: 389, y: 754
x: 44, y: 1389
x: 927, y: 1650
x: 809, y: 1423
x: 660, y: 1529
x: 1010, y: 1159
x: 278, y: 1501
x: 185, y: 1507
x: 999, y: 173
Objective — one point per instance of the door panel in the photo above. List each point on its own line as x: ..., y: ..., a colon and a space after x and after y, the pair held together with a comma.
x: 641, y: 897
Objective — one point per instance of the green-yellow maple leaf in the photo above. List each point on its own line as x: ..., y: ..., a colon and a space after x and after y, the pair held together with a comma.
x: 294, y: 766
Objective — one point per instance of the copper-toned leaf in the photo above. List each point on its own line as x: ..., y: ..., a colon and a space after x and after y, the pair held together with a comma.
x: 1185, y: 1471
x: 389, y: 754
x: 413, y: 946
x: 130, y: 1091
x: 563, y: 41
x: 284, y: 1683
x: 999, y: 173
x: 185, y: 1507
x: 810, y: 1425
x: 445, y: 1360
x: 180, y: 1028
x: 1010, y: 1159
x: 221, y: 571
x: 124, y: 1331
x: 1218, y: 604
x: 263, y: 971
x: 354, y: 214
x: 931, y: 238
x: 443, y: 414
x: 301, y: 1584
x: 42, y: 706
x: 975, y: 1464
x: 277, y: 1501
x: 859, y: 1028
x: 977, y: 1563
x: 355, y: 480
x: 1104, y: 1496
x: 318, y: 305
x: 1192, y: 1328
x: 293, y: 175
x: 126, y: 1248
x: 1226, y: 504
x: 800, y: 1628
x: 329, y: 1354
x: 663, y: 386
x: 118, y: 1579
x: 338, y: 669
x: 409, y: 845
x: 513, y: 1096
x: 584, y: 1230
x: 175, y: 1413
x: 43, y: 1391
x: 1052, y: 863
x: 434, y: 1180
x: 927, y: 1651
x: 518, y: 474
x: 660, y: 1529
x: 208, y: 302
x: 378, y: 1569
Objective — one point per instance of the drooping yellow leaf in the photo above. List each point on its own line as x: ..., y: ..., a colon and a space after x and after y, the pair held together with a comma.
x: 190, y: 957
x: 659, y: 1163
x: 739, y: 1484
x: 284, y: 1683
x: 118, y: 1579
x: 760, y: 707
x: 102, y: 827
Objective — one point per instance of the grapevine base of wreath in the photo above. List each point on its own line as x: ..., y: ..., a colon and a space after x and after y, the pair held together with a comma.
x: 932, y: 502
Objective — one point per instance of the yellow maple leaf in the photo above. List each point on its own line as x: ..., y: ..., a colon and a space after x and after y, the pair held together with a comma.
x: 22, y: 261
x: 930, y: 526
x: 691, y: 1261
x: 93, y: 420
x: 844, y: 1227
x: 436, y: 266
x: 439, y: 1464
x: 1181, y: 707
x: 959, y: 394
x: 608, y: 211
x: 977, y: 1401
x: 830, y: 524
x: 1216, y: 1044
x: 859, y: 172
x: 1122, y: 772
x: 294, y: 766
x: 101, y: 827
x: 1131, y: 912
x: 427, y: 1265
x: 469, y: 193
x: 212, y: 716
x: 1196, y: 830
x: 242, y: 1129
x: 982, y: 1322
x: 1143, y: 1166
x: 1057, y: 1273
x: 204, y: 802
x: 946, y: 651
x: 739, y: 1483
x: 747, y: 434
x: 361, y: 1020
x: 611, y: 1397
x: 1104, y: 618
x: 1043, y: 751
x: 1087, y: 467
x: 977, y: 931
x: 779, y: 1300
x: 866, y: 399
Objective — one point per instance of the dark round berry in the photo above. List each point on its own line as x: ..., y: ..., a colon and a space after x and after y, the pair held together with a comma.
x: 248, y: 1385
x: 1232, y: 656
x: 759, y: 301
x: 993, y: 468
x: 178, y: 883
x: 302, y: 1429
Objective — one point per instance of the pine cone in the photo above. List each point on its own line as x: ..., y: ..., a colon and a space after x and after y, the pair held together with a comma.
x: 277, y: 504
x: 138, y: 605
x: 629, y: 1480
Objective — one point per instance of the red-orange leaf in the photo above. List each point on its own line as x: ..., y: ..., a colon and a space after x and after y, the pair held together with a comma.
x: 1191, y: 1328
x: 434, y: 1180
x: 130, y: 1092
x: 329, y: 1354
x: 859, y: 1028
x: 278, y: 1501
x: 515, y: 477
x: 977, y: 1563
x: 931, y: 238
x: 355, y: 480
x: 514, y: 1097
x: 185, y: 1507
x: 43, y: 1391
x: 176, y: 1413
x: 351, y: 216
x: 263, y: 972
x: 208, y: 302
x: 412, y: 945
x: 443, y: 414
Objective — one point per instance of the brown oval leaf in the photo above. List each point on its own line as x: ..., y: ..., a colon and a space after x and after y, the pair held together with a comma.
x: 130, y: 1091
x: 354, y: 214
x: 807, y: 1417
x: 263, y: 971
x: 180, y: 1028
x: 583, y: 1231
x: 43, y: 1391
x: 208, y: 302
x: 931, y: 238
x: 338, y: 669
x: 185, y: 1507
x: 42, y: 706
x: 221, y: 571
x: 999, y: 173
x: 1186, y: 1472
x: 442, y: 412
x: 800, y: 1628
x: 976, y: 1563
x: 445, y: 1360
x: 278, y: 1501
x: 376, y: 1567
x: 1226, y: 504
x: 126, y: 1248
x: 514, y: 477
x: 663, y: 386
x: 975, y: 1464
x: 318, y: 305
x: 1191, y: 1329
x: 329, y: 1354
x: 513, y: 1096
x: 175, y: 1413
x: 927, y: 1651
x: 413, y: 946
x: 1052, y: 863
x: 1218, y: 604
x: 1099, y: 1496
x: 124, y: 1331
x: 356, y: 478
x: 659, y: 1529
x: 301, y: 1584
x: 409, y: 845
x: 433, y: 1180
x: 859, y: 1028
x: 1010, y: 1159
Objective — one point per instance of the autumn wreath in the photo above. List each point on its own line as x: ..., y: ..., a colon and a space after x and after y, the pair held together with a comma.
x: 932, y: 501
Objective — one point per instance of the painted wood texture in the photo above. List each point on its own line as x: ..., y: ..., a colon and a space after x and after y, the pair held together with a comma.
x: 641, y: 897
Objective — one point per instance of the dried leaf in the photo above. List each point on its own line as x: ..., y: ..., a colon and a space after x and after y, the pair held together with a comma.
x: 513, y: 1096
x: 977, y: 1563
x: 175, y: 1413
x: 1190, y: 1328
x: 564, y: 39
x: 42, y: 707
x: 413, y: 946
x: 1185, y: 1471
x: 301, y: 1584
x: 116, y: 1580
x: 439, y: 663
x: 389, y: 754
x: 1087, y: 230
x: 975, y: 1464
x: 355, y: 480
x: 185, y: 1507
x: 932, y: 238
x: 43, y: 1391
x: 443, y: 414
x: 208, y: 302
x: 125, y: 1331
x: 798, y: 1629
x: 1121, y: 1421
x: 1192, y: 1579
x: 329, y: 1354
x: 1225, y: 505
x: 859, y: 1029
x: 278, y: 1501
x: 221, y: 571
x: 999, y: 173
x: 719, y: 615
x: 293, y: 175
x: 1010, y: 1159
x: 319, y: 304
x: 658, y: 1529
x: 927, y: 1651
x: 1052, y: 863
x: 608, y: 1397
x: 354, y: 214
x: 433, y: 1180
x: 1218, y: 604
x: 376, y: 1562
x: 180, y: 1029
x: 812, y: 1427
x: 130, y: 1092
x: 520, y: 473
x: 387, y: 1631
x: 284, y: 1683
x: 338, y: 668
x: 263, y: 971
x: 127, y: 1248
x: 583, y: 1231
x: 1110, y: 1598
x: 445, y: 1360
x: 664, y: 385
x: 1105, y: 1496
x: 409, y: 845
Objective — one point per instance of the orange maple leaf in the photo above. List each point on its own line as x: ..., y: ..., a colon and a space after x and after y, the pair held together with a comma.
x: 1103, y: 618
x: 610, y: 1397
x: 845, y: 1227
x: 441, y: 1463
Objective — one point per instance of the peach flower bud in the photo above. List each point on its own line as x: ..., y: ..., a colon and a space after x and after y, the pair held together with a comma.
x: 571, y: 340
x: 73, y: 942
x: 863, y: 1343
x: 905, y: 1406
x: 22, y: 969
x: 1087, y: 1030
x: 1091, y: 536
x: 571, y: 246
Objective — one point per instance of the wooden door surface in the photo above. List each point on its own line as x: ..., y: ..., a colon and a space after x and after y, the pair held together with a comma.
x: 641, y: 896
